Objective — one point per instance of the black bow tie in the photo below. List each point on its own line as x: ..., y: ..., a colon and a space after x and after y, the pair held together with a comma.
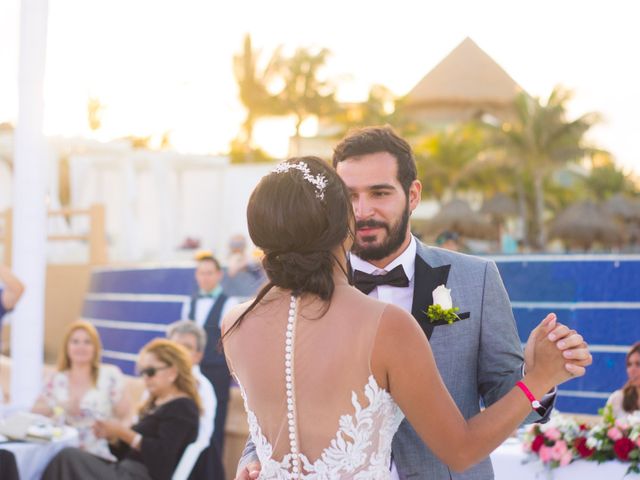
x: 366, y: 282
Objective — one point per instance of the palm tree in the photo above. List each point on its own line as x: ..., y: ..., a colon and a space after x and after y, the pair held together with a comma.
x: 542, y: 140
x: 449, y: 159
x: 94, y: 113
x: 606, y: 179
x: 381, y: 107
x: 253, y: 86
x: 305, y: 92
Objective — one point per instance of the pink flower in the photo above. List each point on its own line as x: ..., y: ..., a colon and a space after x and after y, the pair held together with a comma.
x: 614, y: 434
x: 621, y: 425
x: 558, y: 450
x: 545, y: 454
x: 553, y: 434
x: 566, y: 459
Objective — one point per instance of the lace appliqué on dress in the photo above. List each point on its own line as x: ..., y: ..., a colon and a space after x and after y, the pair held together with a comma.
x: 360, y: 450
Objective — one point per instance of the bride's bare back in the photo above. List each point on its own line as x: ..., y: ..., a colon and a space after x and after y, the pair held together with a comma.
x: 342, y: 414
x: 324, y: 402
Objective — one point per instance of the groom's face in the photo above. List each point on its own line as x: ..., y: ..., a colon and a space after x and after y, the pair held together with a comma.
x: 380, y: 204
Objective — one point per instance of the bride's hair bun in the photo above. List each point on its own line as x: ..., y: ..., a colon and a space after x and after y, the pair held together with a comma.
x: 296, y: 229
x: 300, y: 272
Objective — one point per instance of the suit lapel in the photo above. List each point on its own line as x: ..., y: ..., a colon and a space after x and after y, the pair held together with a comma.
x: 426, y: 279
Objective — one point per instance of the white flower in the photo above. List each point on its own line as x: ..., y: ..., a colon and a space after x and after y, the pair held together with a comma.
x: 592, y: 442
x: 442, y: 297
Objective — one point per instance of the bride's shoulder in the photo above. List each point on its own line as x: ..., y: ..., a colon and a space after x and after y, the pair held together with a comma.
x: 234, y: 313
x: 396, y: 325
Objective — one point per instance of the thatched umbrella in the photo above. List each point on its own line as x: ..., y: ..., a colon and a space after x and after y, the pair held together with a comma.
x: 500, y: 206
x: 458, y: 217
x: 584, y: 224
x: 623, y: 207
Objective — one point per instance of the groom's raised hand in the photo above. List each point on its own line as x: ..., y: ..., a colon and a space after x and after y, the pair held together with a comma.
x: 570, y: 342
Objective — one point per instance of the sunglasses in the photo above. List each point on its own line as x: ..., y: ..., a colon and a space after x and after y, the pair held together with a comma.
x: 151, y: 371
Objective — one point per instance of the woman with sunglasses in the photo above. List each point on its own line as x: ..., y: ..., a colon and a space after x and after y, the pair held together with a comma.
x: 83, y: 389
x: 150, y: 449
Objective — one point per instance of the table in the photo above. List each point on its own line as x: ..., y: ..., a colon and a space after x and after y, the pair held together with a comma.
x: 33, y: 457
x: 508, y: 464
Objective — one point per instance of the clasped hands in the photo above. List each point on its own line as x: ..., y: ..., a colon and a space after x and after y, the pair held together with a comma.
x: 573, y: 347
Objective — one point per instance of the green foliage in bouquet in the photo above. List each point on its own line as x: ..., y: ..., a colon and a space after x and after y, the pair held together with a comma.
x: 436, y: 313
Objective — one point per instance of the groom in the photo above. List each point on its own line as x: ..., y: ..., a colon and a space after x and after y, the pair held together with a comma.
x: 479, y: 357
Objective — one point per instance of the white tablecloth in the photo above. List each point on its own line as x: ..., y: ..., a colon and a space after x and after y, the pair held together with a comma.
x: 33, y: 457
x: 508, y: 465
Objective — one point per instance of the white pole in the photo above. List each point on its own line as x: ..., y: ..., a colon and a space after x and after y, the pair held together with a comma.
x: 29, y: 201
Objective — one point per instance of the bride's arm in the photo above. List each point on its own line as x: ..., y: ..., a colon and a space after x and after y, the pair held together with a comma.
x: 403, y: 353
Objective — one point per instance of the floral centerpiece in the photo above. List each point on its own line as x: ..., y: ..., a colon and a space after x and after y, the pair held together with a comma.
x: 552, y: 442
x: 563, y: 440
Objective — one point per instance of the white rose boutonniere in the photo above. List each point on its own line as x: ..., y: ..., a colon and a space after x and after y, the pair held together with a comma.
x: 442, y: 308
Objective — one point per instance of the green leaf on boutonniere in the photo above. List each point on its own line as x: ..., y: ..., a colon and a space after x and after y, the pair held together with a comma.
x: 436, y: 313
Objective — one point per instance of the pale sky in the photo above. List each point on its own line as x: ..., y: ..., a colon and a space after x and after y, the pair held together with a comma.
x: 162, y: 65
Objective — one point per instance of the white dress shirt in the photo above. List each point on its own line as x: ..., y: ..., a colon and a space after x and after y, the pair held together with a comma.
x: 400, y: 296
x: 203, y: 307
x: 209, y: 405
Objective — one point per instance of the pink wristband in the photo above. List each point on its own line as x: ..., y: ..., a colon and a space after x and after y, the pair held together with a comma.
x: 535, y: 404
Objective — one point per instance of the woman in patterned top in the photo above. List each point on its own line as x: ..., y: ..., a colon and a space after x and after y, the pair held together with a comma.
x: 84, y: 390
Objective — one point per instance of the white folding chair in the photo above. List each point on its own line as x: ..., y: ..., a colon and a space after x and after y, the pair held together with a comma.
x: 188, y: 460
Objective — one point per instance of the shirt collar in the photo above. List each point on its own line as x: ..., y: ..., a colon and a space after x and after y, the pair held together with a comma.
x: 215, y: 293
x: 407, y: 259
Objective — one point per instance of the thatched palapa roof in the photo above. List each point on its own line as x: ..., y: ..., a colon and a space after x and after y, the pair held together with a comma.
x: 466, y: 76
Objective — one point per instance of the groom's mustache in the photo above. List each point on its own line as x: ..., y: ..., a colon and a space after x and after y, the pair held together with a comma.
x: 371, y: 224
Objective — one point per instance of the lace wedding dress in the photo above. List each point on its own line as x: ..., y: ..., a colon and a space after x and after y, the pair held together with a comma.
x: 314, y: 408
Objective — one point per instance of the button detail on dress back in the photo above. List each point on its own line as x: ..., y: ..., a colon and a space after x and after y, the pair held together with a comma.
x: 290, y: 387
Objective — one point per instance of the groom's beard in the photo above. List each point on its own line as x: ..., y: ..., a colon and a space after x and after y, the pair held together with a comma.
x: 393, y: 240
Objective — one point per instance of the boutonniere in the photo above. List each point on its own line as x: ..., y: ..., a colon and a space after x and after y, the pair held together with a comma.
x: 442, y: 309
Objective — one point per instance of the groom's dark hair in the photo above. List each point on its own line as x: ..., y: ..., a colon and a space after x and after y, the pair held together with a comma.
x: 369, y: 140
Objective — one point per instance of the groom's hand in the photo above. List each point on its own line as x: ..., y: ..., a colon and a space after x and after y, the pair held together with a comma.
x: 250, y: 471
x: 570, y: 342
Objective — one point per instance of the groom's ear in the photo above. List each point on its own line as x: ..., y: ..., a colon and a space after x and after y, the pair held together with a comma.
x: 415, y: 193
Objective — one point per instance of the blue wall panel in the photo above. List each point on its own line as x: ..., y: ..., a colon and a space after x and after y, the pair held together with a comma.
x: 128, y: 311
x: 557, y: 281
x: 597, y: 326
x: 572, y: 281
x: 606, y: 290
x: 581, y: 405
x: 126, y: 341
x: 175, y: 281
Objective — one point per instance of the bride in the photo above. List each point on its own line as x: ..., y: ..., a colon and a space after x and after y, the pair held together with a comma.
x: 328, y: 373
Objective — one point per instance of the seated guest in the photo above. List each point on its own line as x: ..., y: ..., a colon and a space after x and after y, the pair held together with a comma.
x: 151, y: 449
x: 83, y: 389
x: 194, y: 339
x: 11, y: 290
x: 626, y: 400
